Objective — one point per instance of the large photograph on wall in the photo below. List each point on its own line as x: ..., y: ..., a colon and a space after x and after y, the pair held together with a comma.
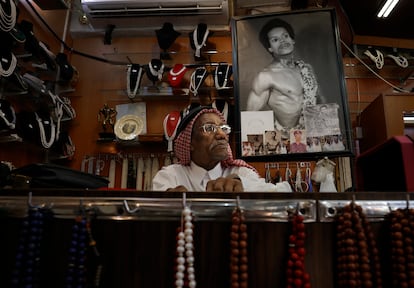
x: 290, y: 89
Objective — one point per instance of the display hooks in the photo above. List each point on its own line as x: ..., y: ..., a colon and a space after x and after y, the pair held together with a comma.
x: 407, y: 201
x: 128, y: 208
x: 32, y: 206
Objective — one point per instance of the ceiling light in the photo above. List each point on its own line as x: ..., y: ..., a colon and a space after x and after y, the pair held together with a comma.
x: 387, y: 8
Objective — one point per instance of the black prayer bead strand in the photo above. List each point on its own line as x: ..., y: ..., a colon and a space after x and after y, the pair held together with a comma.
x: 27, y: 266
x: 76, y: 271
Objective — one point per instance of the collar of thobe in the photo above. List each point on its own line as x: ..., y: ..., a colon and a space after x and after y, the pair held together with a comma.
x: 198, y: 173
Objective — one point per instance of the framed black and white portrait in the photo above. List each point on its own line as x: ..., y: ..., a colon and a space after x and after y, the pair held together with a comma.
x: 288, y: 78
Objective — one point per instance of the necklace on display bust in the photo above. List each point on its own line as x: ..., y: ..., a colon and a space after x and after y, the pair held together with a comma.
x: 155, y: 70
x: 42, y: 123
x: 134, y: 76
x: 7, y: 64
x: 166, y: 37
x: 199, y: 38
x: 176, y: 74
x: 222, y: 76
x: 197, y: 79
x: 8, y: 15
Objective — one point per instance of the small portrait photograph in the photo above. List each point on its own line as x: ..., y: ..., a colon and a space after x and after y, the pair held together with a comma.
x: 248, y: 149
x: 272, y: 142
x: 297, y: 141
x: 257, y: 141
x: 285, y: 145
x: 337, y: 143
x: 314, y: 144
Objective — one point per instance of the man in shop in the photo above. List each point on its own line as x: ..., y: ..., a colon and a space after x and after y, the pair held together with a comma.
x: 287, y: 84
x: 205, y: 159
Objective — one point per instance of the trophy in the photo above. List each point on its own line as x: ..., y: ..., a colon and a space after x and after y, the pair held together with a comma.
x: 107, y: 118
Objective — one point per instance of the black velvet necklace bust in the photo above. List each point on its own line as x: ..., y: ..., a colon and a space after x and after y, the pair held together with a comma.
x: 155, y: 70
x: 166, y: 37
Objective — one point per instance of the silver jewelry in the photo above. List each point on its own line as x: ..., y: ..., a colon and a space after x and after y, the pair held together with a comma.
x: 197, y: 45
x: 45, y: 143
x: 134, y: 70
x: 7, y: 22
x: 225, y: 111
x: 12, y: 65
x: 175, y: 74
x: 226, y: 76
x: 197, y: 79
x: 11, y: 124
x: 156, y: 73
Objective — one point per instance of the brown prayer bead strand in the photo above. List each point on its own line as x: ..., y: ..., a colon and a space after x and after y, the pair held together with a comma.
x: 409, y: 250
x: 243, y: 258
x: 348, y: 257
x: 239, y: 257
x: 407, y: 233
x: 362, y: 248
x: 374, y: 261
x: 397, y: 250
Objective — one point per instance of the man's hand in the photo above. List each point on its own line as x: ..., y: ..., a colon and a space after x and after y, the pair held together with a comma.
x: 180, y: 188
x: 231, y: 183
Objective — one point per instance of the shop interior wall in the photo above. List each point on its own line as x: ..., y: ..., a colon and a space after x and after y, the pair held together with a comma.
x: 102, y: 83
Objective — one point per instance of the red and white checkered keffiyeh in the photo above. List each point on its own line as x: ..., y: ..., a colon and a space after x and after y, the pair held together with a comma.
x: 182, y: 144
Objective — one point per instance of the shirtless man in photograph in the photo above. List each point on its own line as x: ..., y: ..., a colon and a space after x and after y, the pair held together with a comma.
x: 286, y: 85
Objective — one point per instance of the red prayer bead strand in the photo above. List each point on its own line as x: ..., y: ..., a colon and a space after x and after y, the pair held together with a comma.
x: 296, y: 274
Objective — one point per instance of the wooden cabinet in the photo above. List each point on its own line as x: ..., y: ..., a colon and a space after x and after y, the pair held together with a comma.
x: 383, y: 118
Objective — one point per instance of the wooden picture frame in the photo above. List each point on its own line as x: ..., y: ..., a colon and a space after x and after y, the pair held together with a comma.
x: 316, y: 61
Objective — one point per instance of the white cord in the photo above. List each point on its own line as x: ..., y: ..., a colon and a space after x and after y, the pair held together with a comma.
x: 375, y: 73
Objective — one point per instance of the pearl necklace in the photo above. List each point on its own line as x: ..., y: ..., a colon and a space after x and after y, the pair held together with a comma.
x: 185, y: 246
x: 8, y: 21
x: 218, y: 73
x: 11, y: 124
x: 12, y: 65
x: 134, y: 74
x: 171, y: 118
x: 225, y: 110
x: 197, y: 79
x: 46, y: 144
x: 197, y: 45
x: 156, y: 73
x: 175, y: 78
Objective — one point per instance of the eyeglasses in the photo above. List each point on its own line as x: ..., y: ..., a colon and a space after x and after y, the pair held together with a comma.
x: 213, y: 128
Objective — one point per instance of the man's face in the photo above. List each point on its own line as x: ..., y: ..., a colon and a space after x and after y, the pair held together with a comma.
x: 207, y: 149
x: 280, y: 41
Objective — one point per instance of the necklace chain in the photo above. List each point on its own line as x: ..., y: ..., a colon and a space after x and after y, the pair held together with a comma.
x: 197, y: 45
x: 7, y: 21
x: 194, y: 84
x: 45, y: 143
x: 156, y: 73
x: 132, y: 71
x: 12, y: 61
x: 220, y: 73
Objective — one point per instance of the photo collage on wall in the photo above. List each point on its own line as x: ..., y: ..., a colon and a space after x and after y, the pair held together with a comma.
x: 320, y: 132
